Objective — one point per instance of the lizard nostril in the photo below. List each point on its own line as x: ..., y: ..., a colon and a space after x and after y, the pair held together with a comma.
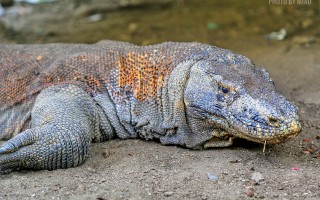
x: 273, y: 121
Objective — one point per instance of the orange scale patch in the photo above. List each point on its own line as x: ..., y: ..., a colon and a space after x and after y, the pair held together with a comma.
x: 143, y: 73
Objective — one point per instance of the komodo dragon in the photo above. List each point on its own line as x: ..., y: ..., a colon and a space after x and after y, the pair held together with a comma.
x: 56, y: 99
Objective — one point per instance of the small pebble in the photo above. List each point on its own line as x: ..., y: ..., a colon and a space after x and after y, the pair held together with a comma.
x: 250, y: 192
x: 168, y: 193
x: 94, y: 17
x: 203, y: 197
x: 257, y: 177
x: 279, y: 35
x: 303, y: 40
x: 212, y: 177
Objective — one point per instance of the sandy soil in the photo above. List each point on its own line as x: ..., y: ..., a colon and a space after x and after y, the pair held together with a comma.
x: 136, y: 169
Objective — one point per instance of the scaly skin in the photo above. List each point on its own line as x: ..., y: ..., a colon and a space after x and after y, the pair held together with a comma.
x: 56, y: 99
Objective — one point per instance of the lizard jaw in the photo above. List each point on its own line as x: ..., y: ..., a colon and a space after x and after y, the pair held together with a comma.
x: 270, y: 135
x: 223, y: 137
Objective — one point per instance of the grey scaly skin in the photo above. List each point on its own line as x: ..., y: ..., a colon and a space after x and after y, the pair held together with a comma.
x: 63, y: 97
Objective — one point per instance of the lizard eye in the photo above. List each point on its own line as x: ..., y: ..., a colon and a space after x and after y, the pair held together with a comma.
x: 224, y: 90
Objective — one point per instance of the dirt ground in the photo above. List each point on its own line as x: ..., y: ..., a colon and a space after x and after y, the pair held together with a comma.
x: 137, y: 169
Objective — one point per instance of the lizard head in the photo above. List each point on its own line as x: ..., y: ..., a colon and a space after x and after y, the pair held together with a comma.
x: 228, y: 96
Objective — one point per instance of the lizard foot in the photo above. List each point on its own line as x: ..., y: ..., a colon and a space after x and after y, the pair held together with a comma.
x: 63, y: 124
x: 49, y: 147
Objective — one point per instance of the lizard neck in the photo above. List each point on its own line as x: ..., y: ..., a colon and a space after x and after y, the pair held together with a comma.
x: 161, y: 116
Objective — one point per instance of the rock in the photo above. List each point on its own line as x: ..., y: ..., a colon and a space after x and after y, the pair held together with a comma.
x: 168, y: 193
x: 279, y: 35
x: 212, y: 177
x: 94, y: 17
x: 250, y: 192
x: 257, y: 177
x: 204, y: 197
x: 303, y: 40
x: 89, y: 10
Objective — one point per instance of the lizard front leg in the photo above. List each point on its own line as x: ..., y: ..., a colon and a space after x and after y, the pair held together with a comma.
x: 64, y: 121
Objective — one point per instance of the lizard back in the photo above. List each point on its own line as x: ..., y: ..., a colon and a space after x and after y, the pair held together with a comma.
x: 119, y: 67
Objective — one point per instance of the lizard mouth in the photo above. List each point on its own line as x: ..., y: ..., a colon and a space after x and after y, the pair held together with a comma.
x: 279, y: 135
x: 269, y: 133
x: 264, y: 131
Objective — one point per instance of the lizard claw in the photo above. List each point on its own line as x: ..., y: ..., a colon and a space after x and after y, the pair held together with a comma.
x: 14, y: 151
x: 47, y: 147
x: 23, y: 139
